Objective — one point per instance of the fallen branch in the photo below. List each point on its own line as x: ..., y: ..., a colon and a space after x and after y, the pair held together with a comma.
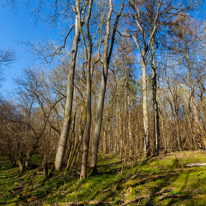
x: 142, y: 181
x: 106, y: 190
x: 174, y: 196
x: 182, y: 169
x: 195, y: 164
x: 163, y: 191
x: 135, y: 200
x: 155, y: 177
x: 92, y: 202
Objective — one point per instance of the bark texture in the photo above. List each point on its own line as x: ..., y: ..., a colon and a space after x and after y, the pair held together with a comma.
x: 88, y: 55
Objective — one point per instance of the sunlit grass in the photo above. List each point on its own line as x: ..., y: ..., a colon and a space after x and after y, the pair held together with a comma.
x: 103, y: 187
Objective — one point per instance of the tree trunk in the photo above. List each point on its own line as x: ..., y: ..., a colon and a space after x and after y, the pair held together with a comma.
x: 129, y: 128
x: 99, y: 119
x: 69, y: 100
x: 128, y: 112
x: 75, y: 153
x: 88, y: 112
x: 194, y: 108
x: 155, y: 104
x: 45, y: 167
x: 21, y: 163
x: 145, y: 108
x: 102, y: 93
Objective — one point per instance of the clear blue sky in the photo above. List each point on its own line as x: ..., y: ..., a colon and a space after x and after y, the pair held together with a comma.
x: 16, y: 28
x: 19, y: 27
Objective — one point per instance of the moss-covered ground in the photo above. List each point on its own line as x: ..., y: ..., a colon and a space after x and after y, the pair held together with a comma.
x: 187, y: 186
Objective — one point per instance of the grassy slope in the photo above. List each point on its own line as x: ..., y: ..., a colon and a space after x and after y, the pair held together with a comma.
x: 186, y: 182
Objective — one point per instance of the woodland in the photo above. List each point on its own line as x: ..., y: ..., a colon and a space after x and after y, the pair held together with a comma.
x: 117, y: 116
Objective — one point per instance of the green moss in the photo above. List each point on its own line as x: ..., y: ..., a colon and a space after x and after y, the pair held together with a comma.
x: 85, y: 114
x: 68, y: 115
x: 105, y: 185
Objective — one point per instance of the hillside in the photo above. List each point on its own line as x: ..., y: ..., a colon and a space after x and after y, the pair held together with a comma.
x: 162, y: 180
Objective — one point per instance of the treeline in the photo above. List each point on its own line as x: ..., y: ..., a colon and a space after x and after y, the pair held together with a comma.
x: 96, y: 99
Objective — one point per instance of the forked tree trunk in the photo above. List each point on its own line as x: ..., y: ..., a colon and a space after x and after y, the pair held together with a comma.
x: 106, y: 59
x: 69, y: 100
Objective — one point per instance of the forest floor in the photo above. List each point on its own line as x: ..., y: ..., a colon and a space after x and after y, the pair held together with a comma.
x: 162, y: 180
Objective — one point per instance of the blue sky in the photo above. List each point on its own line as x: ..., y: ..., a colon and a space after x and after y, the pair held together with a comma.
x: 15, y: 28
x: 18, y: 27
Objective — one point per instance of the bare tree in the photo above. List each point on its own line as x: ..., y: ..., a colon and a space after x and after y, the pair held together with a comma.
x: 70, y: 90
x: 106, y: 60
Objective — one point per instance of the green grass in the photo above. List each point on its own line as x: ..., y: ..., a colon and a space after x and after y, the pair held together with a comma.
x: 190, y: 183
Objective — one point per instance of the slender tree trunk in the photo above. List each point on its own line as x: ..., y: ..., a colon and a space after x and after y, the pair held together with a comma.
x: 88, y: 113
x: 118, y: 124
x: 20, y: 160
x: 102, y: 94
x: 88, y: 118
x: 194, y: 107
x: 155, y: 104
x: 127, y: 111
x: 71, y: 147
x: 45, y: 167
x: 69, y: 101
x: 109, y: 134
x: 71, y: 162
x: 129, y: 127
x: 99, y: 119
x: 179, y: 139
x: 145, y: 108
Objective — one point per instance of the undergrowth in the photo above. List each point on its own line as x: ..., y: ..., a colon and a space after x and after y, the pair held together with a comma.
x: 186, y: 186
